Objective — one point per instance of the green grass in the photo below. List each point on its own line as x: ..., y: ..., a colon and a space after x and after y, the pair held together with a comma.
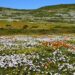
x: 35, y: 28
x: 26, y: 51
x: 71, y: 41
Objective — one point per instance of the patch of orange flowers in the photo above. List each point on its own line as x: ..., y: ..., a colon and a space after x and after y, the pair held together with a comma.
x: 58, y: 44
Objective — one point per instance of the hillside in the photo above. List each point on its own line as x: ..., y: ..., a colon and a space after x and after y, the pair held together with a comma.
x: 45, y: 20
x: 56, y: 13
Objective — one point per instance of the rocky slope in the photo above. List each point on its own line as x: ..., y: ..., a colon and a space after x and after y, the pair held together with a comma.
x: 56, y: 13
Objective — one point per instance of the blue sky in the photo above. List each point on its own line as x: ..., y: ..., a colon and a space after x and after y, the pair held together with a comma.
x: 32, y: 4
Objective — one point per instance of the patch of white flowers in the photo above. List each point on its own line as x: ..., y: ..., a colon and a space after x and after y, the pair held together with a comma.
x: 17, y: 60
x: 22, y: 41
x: 36, y: 61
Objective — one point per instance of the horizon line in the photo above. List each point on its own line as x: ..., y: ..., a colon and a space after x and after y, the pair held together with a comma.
x: 34, y: 8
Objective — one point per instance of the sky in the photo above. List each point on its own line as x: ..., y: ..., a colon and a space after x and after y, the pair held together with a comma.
x: 32, y: 4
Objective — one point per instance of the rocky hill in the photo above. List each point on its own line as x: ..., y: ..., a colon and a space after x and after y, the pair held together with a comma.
x: 56, y: 13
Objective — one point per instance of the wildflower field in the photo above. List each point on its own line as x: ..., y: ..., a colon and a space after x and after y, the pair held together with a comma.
x: 37, y: 55
x: 37, y: 41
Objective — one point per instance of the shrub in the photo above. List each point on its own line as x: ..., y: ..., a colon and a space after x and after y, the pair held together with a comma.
x: 25, y: 26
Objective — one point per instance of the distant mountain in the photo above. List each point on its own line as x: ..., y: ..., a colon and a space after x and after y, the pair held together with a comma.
x: 56, y: 13
x: 59, y: 6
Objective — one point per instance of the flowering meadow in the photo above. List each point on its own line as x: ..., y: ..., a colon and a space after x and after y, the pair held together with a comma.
x: 37, y: 55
